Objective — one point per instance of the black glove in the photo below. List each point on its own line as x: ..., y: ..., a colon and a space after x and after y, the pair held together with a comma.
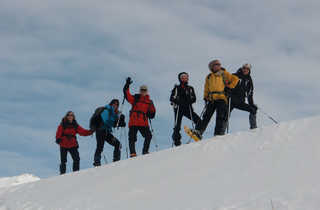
x: 58, y: 141
x: 122, y: 122
x: 227, y: 91
x: 128, y: 83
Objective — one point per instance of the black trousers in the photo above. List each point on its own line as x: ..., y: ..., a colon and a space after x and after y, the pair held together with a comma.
x: 188, y: 112
x: 147, y: 135
x: 241, y: 105
x: 63, y: 157
x: 101, y: 136
x: 222, y: 111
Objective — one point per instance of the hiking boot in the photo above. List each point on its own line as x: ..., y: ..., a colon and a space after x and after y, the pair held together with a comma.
x: 133, y: 155
x: 96, y: 164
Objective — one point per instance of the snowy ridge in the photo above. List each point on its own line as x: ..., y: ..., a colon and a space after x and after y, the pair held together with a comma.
x: 271, y: 168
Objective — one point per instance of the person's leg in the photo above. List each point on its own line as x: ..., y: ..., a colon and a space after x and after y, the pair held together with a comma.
x: 222, y: 115
x: 132, y: 140
x: 176, y: 136
x: 202, y: 124
x: 241, y: 105
x: 63, y: 158
x: 76, y: 158
x: 146, y: 133
x: 191, y: 115
x: 117, y: 146
x: 100, y: 137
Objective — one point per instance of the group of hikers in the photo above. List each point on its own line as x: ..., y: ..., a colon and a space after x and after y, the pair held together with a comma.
x: 223, y: 92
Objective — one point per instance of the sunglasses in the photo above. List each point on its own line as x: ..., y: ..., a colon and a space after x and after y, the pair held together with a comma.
x: 217, y: 64
x: 143, y: 90
x: 70, y: 115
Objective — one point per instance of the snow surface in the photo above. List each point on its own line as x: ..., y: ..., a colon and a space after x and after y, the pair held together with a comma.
x: 275, y: 167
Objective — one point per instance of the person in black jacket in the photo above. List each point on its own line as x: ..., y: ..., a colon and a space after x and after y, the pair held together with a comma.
x: 182, y: 97
x: 243, y: 90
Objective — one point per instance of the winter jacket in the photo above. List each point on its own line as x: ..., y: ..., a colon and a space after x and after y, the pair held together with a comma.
x: 183, y: 95
x: 141, y: 106
x: 216, y: 83
x: 66, y: 132
x: 244, y: 87
x: 109, y: 118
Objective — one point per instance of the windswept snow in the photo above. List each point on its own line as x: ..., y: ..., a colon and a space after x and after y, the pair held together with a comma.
x: 6, y: 182
x: 271, y: 168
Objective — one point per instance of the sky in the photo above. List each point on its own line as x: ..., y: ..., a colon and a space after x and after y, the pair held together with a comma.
x: 59, y: 55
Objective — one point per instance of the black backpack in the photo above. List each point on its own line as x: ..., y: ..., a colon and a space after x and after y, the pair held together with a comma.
x: 96, y: 120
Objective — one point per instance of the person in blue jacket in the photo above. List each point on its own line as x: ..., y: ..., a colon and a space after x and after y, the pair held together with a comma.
x: 110, y: 118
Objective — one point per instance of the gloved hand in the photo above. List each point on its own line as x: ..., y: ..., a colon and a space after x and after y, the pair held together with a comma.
x: 122, y: 122
x: 58, y: 141
x: 227, y: 91
x: 128, y: 83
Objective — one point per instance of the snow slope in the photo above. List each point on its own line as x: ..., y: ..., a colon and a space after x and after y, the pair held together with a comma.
x: 271, y: 168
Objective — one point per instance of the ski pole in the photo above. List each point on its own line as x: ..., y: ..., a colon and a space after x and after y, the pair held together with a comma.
x: 229, y: 110
x: 154, y: 139
x: 271, y: 118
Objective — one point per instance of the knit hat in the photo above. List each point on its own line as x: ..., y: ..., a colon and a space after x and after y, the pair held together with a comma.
x: 212, y: 63
x: 247, y: 66
x: 143, y: 87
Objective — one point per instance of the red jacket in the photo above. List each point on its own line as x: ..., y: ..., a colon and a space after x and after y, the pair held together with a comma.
x: 67, y: 134
x: 140, y: 107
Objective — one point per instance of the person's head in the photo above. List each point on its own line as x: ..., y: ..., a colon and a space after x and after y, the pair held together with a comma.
x: 215, y: 66
x: 183, y: 77
x: 144, y: 90
x: 115, y: 104
x: 246, y: 68
x: 69, y: 117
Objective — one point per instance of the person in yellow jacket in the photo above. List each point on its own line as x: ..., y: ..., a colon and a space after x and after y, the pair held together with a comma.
x: 217, y: 89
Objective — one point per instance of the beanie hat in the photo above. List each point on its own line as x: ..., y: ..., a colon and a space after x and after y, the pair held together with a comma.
x: 143, y: 87
x: 212, y: 63
x: 247, y: 65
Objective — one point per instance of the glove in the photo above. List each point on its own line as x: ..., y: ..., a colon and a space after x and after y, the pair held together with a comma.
x: 128, y: 83
x: 122, y: 122
x: 227, y: 91
x: 58, y: 141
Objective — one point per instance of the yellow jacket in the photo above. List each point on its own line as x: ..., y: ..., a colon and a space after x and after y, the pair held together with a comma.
x: 215, y: 84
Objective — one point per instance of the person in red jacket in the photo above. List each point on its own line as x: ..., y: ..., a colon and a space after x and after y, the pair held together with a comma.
x: 66, y: 138
x: 142, y: 110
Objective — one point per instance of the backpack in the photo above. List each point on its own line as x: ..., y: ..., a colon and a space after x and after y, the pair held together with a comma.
x: 96, y: 120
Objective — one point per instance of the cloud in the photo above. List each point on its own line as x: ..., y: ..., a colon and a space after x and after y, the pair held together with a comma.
x: 57, y: 55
